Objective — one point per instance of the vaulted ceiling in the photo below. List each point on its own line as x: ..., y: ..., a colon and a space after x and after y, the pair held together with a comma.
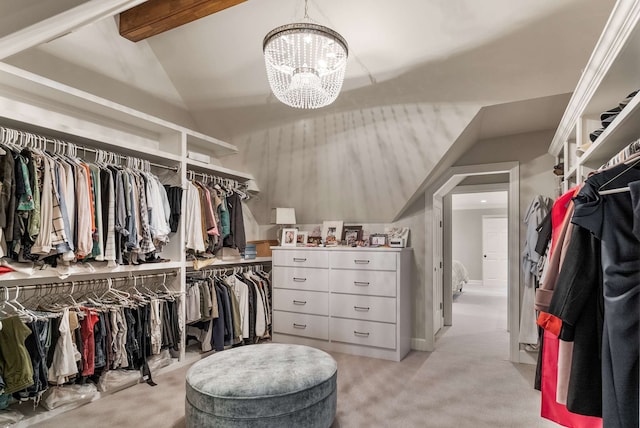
x: 456, y: 56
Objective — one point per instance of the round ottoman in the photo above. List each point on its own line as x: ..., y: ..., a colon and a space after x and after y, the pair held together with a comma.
x: 266, y: 385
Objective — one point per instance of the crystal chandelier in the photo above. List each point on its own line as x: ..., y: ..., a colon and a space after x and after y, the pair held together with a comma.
x: 305, y: 63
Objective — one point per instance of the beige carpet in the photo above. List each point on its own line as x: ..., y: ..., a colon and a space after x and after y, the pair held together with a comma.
x: 466, y: 382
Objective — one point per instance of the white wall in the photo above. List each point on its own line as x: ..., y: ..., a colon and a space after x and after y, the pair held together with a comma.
x: 466, y: 231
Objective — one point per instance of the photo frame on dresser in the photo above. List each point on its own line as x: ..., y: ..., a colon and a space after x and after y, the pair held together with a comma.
x: 352, y: 234
x: 331, y: 232
x: 377, y: 240
x: 301, y: 238
x: 289, y: 237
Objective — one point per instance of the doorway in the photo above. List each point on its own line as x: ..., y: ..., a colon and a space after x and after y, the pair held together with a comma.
x: 479, y: 178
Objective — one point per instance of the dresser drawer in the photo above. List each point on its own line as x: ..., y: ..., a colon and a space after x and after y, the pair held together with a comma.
x: 369, y: 260
x: 314, y: 326
x: 374, y: 283
x: 363, y: 333
x: 308, y: 302
x: 370, y: 308
x: 301, y: 278
x: 301, y: 258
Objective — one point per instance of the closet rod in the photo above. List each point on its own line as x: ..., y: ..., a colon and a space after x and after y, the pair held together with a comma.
x: 83, y: 148
x: 88, y: 281
x: 204, y: 175
x: 123, y: 157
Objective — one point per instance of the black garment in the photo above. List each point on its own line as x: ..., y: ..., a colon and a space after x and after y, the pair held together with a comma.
x: 99, y: 338
x: 236, y: 238
x: 35, y: 346
x: 105, y: 175
x: 54, y: 332
x: 7, y: 188
x: 544, y: 234
x: 252, y: 310
x: 218, y: 324
x: 226, y: 313
x: 174, y: 194
x: 131, y: 344
x: 610, y: 219
x: 578, y: 302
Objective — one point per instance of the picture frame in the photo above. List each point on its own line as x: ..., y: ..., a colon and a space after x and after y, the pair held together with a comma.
x: 351, y: 235
x: 314, y: 241
x: 377, y: 240
x: 331, y: 232
x: 302, y: 238
x: 289, y: 237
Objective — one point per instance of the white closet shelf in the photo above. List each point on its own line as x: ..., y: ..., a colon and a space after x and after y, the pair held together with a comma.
x: 624, y: 129
x: 79, y: 272
x: 58, y: 97
x: 611, y: 74
x: 221, y: 171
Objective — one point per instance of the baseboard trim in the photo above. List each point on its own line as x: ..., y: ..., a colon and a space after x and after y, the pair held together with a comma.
x: 475, y: 282
x: 419, y: 344
x: 525, y: 357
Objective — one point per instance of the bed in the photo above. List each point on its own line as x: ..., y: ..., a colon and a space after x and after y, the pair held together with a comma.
x: 459, y: 276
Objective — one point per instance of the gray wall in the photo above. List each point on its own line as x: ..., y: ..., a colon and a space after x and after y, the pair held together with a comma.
x: 358, y: 166
x: 536, y: 164
x: 466, y: 231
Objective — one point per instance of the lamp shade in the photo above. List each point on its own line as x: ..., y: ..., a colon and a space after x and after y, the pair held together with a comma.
x: 283, y: 216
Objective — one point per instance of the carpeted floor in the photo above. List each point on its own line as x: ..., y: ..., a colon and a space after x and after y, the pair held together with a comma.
x: 466, y: 382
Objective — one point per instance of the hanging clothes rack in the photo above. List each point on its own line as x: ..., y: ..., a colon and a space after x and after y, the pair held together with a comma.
x: 239, y: 268
x: 227, y: 183
x: 30, y: 139
x: 98, y: 282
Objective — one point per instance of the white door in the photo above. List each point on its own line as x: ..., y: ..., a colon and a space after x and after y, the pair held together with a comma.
x: 494, y: 251
x: 438, y: 320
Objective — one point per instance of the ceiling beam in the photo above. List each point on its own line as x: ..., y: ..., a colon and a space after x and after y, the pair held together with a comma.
x: 157, y: 16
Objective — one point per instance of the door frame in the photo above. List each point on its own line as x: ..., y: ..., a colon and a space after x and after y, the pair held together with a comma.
x: 438, y: 266
x: 439, y: 189
x: 448, y: 234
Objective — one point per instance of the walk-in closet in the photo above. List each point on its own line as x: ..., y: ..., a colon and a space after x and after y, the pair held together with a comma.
x: 250, y: 213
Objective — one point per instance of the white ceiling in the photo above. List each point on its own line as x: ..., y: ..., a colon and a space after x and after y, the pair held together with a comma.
x: 479, y: 201
x: 462, y: 51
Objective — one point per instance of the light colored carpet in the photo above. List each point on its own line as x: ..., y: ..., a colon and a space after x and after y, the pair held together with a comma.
x: 466, y: 383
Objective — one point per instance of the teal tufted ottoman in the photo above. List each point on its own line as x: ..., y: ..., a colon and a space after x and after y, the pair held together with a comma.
x: 267, y: 385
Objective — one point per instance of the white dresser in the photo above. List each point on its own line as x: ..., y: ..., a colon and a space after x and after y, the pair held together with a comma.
x: 352, y: 300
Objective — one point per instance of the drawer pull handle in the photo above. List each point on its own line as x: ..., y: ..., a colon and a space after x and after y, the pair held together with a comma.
x: 302, y: 326
x: 299, y: 259
x: 299, y: 302
x: 361, y: 334
x: 361, y: 262
x: 361, y: 308
x: 299, y: 279
x: 360, y: 283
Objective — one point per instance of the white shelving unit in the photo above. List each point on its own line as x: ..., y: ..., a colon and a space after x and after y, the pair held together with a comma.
x: 612, y: 73
x: 30, y: 102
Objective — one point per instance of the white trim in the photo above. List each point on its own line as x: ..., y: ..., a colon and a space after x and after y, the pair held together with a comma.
x: 442, y: 187
x: 418, y: 344
x: 475, y: 282
x: 621, y: 23
x: 61, y: 24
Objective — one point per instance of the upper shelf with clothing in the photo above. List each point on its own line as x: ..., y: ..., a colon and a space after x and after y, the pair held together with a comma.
x: 603, y: 115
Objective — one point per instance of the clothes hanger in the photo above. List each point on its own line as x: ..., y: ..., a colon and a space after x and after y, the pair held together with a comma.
x: 635, y: 160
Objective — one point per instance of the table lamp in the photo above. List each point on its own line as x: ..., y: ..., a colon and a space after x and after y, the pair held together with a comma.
x: 283, y: 217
